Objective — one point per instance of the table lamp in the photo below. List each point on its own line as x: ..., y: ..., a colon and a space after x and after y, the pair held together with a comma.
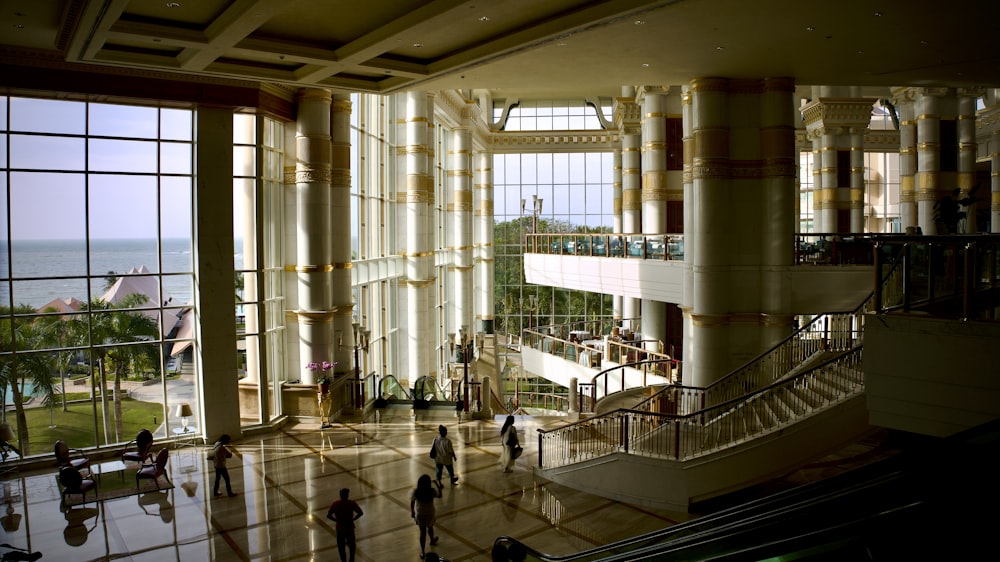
x: 184, y: 412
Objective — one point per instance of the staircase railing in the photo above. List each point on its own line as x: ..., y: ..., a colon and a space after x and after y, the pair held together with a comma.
x: 682, y: 437
x: 834, y: 332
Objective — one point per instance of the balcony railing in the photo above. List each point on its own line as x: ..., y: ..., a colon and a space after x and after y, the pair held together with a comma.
x: 809, y: 249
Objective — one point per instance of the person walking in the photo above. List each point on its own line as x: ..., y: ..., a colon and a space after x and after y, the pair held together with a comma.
x: 444, y: 455
x: 344, y: 512
x: 221, y: 452
x: 422, y: 508
x: 509, y: 441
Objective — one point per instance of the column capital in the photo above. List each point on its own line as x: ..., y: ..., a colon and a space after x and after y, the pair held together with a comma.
x: 837, y: 115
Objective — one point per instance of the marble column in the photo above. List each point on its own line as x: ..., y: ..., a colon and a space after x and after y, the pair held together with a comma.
x: 743, y: 171
x: 655, y: 187
x: 460, y: 176
x: 629, y: 125
x: 485, y: 261
x: 928, y: 107
x: 341, y: 231
x: 313, y: 262
x: 902, y: 99
x: 617, y: 300
x: 416, y: 198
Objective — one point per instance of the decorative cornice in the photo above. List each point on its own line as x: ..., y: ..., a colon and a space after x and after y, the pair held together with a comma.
x: 548, y: 141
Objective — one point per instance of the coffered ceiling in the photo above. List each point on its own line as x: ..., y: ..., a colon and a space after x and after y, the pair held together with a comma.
x: 515, y: 48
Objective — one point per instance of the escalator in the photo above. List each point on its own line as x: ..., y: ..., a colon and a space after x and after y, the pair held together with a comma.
x: 928, y: 502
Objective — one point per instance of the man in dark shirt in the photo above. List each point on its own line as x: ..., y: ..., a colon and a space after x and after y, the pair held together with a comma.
x: 344, y: 513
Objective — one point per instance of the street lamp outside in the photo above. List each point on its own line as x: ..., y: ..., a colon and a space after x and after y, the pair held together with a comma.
x: 463, y: 334
x: 360, y: 342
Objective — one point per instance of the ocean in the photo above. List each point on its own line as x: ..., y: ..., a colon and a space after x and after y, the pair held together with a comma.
x: 66, y: 260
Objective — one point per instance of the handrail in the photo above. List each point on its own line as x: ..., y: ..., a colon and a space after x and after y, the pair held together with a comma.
x: 686, y: 436
x: 389, y: 387
x: 814, y: 248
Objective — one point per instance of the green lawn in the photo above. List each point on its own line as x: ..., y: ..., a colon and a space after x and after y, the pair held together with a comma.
x: 76, y: 426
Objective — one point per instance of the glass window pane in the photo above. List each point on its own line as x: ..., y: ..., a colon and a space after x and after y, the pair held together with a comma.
x: 3, y: 150
x: 124, y: 207
x: 47, y: 206
x: 176, y: 208
x: 47, y: 116
x: 243, y: 161
x: 123, y: 121
x: 178, y: 290
x: 175, y: 158
x: 46, y: 153
x: 175, y: 124
x: 45, y: 292
x: 122, y: 156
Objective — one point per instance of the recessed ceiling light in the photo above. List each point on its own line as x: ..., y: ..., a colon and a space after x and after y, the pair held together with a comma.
x: 418, y: 45
x: 18, y: 26
x: 810, y: 28
x: 639, y: 22
x: 173, y: 4
x: 720, y: 48
x: 878, y: 14
x: 645, y: 65
x: 484, y: 19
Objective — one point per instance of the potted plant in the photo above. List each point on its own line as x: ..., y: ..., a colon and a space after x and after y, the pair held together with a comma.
x: 324, y: 380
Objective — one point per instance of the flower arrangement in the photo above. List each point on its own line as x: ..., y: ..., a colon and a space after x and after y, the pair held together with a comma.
x: 323, y: 366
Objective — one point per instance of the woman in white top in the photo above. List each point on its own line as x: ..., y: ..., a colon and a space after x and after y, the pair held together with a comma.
x: 509, y: 441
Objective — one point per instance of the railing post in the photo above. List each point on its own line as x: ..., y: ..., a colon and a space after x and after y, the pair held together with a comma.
x: 677, y: 439
x: 907, y: 289
x: 967, y: 284
x: 627, y: 418
x: 877, y: 258
x: 539, y: 448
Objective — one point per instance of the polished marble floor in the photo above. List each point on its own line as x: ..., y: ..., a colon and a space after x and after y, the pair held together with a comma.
x: 286, y: 480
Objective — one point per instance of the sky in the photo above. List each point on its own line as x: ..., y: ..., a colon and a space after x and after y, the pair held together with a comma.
x: 57, y: 178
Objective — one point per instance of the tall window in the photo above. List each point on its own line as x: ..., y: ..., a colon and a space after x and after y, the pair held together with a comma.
x: 553, y: 115
x: 575, y: 190
x: 882, y: 187
x: 95, y: 269
x: 258, y: 212
x: 373, y: 235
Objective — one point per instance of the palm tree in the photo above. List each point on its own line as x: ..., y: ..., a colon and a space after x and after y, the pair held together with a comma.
x: 116, y: 333
x: 21, y: 362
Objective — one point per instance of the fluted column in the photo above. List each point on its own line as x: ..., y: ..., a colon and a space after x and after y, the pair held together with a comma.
x: 690, y: 239
x: 988, y: 125
x: 966, y: 129
x: 341, y: 230
x: 902, y: 99
x: 744, y: 151
x: 617, y: 300
x: 460, y: 209
x: 857, y: 205
x: 629, y: 124
x: 486, y: 263
x: 927, y: 107
x: 313, y: 214
x: 655, y: 186
x: 778, y: 217
x: 417, y: 236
